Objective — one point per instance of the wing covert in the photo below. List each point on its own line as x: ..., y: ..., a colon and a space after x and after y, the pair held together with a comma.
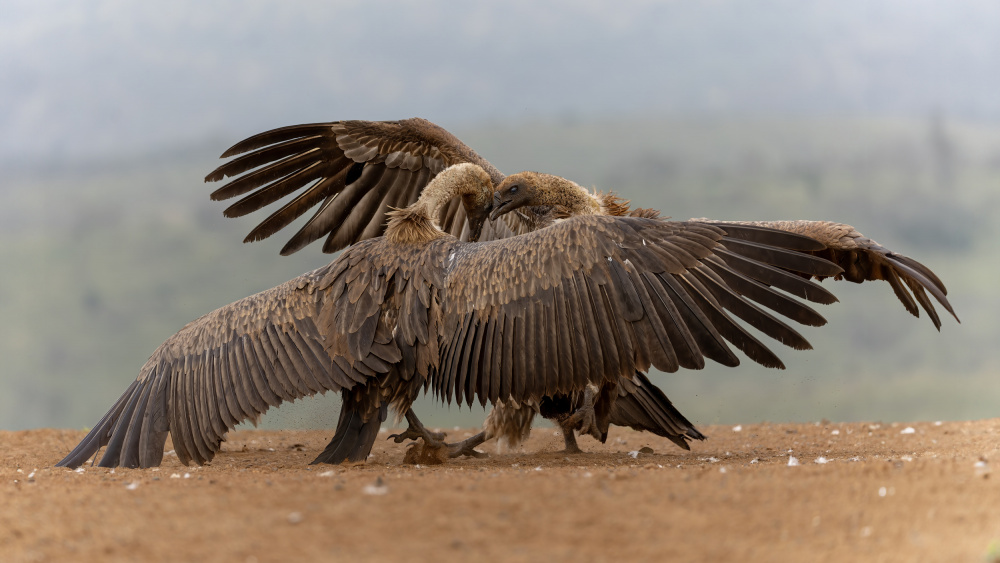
x: 627, y: 292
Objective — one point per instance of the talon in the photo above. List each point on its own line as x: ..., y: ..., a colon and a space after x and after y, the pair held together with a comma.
x: 467, y: 447
x: 417, y: 430
x: 583, y: 419
x: 408, y: 434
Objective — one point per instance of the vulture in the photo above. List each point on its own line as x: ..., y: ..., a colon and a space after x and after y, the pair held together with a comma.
x: 578, y: 306
x: 357, y: 171
x: 860, y: 259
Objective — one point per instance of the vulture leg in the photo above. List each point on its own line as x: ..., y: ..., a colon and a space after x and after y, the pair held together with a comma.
x: 584, y: 418
x: 435, y: 440
x: 559, y: 409
x: 355, y: 436
x: 570, y: 439
x: 467, y: 447
x: 417, y: 430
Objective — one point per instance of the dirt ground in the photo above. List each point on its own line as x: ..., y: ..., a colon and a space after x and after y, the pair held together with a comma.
x: 860, y: 492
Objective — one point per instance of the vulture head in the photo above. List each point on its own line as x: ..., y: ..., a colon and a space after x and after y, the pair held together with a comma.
x: 536, y: 189
x: 477, y: 209
x: 476, y: 191
x: 419, y: 221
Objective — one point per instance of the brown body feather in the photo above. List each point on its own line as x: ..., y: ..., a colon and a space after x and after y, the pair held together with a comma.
x: 396, y: 314
x: 860, y: 259
x: 617, y: 282
x: 391, y: 163
x: 418, y: 148
x: 503, y: 322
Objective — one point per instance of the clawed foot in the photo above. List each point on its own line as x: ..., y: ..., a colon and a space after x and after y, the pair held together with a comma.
x: 435, y: 440
x: 468, y: 447
x: 584, y: 419
x: 417, y: 430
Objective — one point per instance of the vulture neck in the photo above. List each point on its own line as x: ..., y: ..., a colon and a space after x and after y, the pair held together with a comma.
x: 568, y: 197
x: 418, y: 223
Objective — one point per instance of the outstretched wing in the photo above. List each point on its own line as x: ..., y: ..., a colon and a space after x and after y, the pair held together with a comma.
x: 355, y: 171
x: 228, y: 366
x: 593, y: 299
x: 863, y: 259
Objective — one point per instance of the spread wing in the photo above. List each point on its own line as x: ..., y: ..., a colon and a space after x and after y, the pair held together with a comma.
x: 221, y: 369
x: 355, y: 171
x: 593, y: 299
x: 863, y: 259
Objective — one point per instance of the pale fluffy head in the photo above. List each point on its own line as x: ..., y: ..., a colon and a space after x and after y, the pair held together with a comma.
x: 418, y: 222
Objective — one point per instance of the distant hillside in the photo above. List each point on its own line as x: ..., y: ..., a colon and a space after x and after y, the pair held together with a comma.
x: 102, y: 262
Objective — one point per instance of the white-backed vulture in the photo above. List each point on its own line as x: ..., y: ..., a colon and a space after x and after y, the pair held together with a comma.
x: 356, y: 170
x: 556, y: 198
x: 504, y: 320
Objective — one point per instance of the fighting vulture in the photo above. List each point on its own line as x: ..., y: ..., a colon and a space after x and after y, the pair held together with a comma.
x: 340, y: 327
x: 356, y: 171
x: 504, y: 320
x: 860, y: 258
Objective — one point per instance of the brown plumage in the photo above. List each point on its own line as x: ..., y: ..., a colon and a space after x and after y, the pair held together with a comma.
x: 371, y: 152
x: 861, y: 259
x: 282, y: 344
x: 356, y: 172
x: 502, y: 320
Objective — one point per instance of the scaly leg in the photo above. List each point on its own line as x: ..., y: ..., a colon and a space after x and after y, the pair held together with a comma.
x: 569, y: 438
x: 435, y: 440
x: 468, y: 447
x: 584, y: 418
x: 417, y: 430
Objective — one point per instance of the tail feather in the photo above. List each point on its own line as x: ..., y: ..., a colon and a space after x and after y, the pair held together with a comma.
x: 647, y: 408
x: 355, y: 436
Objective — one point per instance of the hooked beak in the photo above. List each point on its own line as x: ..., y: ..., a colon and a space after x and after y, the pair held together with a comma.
x: 500, y: 207
x: 476, y: 220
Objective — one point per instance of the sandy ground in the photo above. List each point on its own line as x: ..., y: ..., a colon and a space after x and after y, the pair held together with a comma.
x: 861, y: 492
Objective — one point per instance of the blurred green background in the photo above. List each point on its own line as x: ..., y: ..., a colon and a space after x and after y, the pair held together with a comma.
x: 858, y: 112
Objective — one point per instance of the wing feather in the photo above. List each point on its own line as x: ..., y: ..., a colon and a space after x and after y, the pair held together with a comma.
x: 320, y: 162
x: 472, y: 370
x: 747, y: 311
x: 562, y: 332
x: 228, y: 366
x: 861, y: 259
x: 508, y: 356
x: 485, y: 362
x: 630, y: 292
